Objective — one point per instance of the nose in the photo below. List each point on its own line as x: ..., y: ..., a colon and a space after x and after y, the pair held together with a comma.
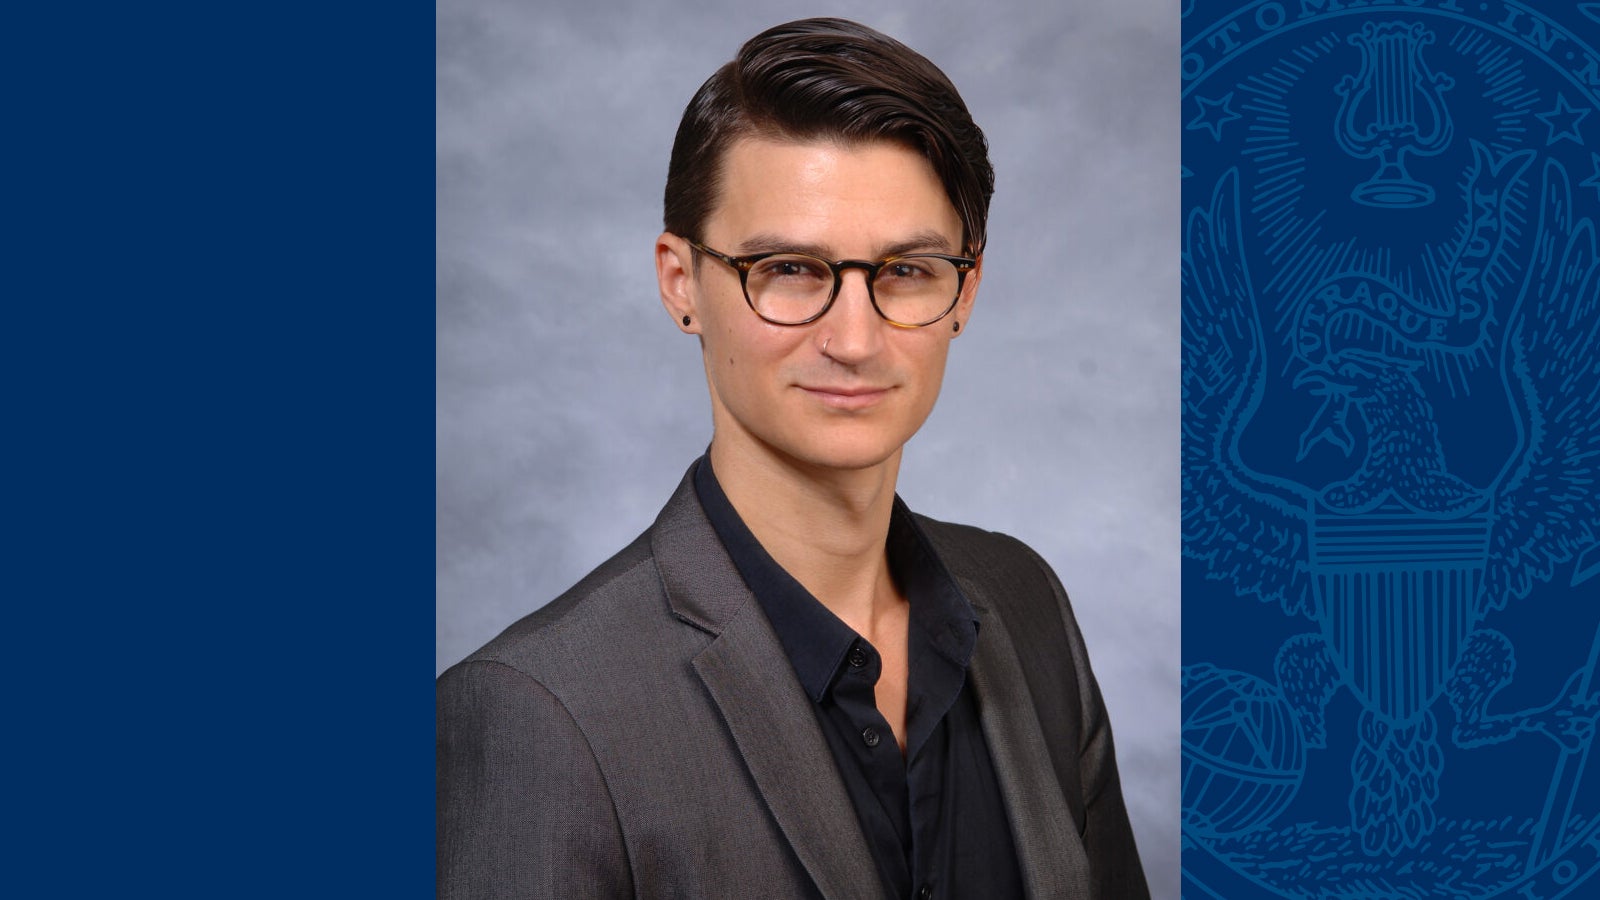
x: 852, y: 330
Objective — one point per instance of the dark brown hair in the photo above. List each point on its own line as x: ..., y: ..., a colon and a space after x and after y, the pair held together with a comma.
x: 828, y: 79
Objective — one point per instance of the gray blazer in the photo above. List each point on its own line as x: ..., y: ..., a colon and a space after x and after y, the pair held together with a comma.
x: 644, y: 736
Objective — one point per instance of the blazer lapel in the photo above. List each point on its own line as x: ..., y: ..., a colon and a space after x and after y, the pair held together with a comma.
x: 1049, y: 849
x: 769, y: 715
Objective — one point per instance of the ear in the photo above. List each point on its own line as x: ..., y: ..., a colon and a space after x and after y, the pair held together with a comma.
x: 675, y: 275
x: 969, y: 295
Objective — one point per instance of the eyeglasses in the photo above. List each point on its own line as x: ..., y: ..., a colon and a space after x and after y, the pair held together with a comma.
x: 795, y: 289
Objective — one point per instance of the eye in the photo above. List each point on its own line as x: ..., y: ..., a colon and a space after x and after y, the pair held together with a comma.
x: 909, y: 269
x: 791, y: 268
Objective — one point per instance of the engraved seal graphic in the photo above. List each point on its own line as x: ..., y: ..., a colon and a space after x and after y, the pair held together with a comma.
x: 1391, y: 450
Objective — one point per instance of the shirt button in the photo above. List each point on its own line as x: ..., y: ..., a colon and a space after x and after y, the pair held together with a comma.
x: 858, y: 657
x: 925, y: 893
x: 871, y: 737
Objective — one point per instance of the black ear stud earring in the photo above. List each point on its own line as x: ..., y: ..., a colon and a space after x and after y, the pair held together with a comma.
x: 686, y: 320
x: 956, y: 328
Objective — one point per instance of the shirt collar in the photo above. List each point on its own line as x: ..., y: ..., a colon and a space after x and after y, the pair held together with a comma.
x: 815, y: 640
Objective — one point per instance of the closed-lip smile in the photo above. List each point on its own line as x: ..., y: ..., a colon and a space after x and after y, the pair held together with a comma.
x: 847, y: 397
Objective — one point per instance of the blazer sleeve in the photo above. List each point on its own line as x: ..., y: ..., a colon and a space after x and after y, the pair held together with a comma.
x: 1115, y: 870
x: 523, y: 808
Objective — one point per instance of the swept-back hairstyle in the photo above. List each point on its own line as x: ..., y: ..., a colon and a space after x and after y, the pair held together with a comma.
x: 828, y: 79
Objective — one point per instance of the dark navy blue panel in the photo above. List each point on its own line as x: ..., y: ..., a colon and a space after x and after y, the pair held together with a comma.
x: 1391, y: 449
x: 220, y: 341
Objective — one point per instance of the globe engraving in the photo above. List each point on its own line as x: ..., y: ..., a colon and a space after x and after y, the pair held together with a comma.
x: 1243, y: 759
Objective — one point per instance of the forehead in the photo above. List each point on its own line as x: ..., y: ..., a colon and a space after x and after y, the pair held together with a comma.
x: 849, y: 197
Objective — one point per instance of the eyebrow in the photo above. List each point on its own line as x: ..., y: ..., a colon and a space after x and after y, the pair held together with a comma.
x: 928, y: 241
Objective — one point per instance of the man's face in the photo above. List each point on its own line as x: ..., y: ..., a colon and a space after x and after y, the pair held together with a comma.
x: 848, y: 390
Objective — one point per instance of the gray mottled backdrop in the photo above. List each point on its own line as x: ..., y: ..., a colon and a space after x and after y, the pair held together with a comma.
x: 569, y: 406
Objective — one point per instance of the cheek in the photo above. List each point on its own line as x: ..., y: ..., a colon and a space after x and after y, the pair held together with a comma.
x: 930, y: 356
x: 930, y: 368
x: 720, y: 337
x: 743, y: 354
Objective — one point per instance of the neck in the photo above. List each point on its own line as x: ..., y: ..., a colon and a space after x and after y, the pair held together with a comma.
x: 826, y: 527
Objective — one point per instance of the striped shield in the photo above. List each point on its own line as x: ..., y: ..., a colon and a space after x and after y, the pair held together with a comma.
x: 1396, y: 594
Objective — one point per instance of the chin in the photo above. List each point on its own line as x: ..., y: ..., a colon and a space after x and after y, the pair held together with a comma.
x: 838, y: 449
x: 844, y: 461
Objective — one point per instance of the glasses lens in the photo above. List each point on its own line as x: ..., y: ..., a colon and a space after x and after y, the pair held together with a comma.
x: 915, y: 290
x: 792, y: 288
x: 789, y: 288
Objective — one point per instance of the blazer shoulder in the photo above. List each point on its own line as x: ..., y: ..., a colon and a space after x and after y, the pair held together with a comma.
x: 613, y: 596
x: 993, y: 559
x: 1005, y: 579
x: 967, y: 540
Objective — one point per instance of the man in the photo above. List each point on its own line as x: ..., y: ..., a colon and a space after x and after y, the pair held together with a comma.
x: 791, y: 686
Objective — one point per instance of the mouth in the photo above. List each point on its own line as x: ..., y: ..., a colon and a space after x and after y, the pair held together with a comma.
x: 845, y: 397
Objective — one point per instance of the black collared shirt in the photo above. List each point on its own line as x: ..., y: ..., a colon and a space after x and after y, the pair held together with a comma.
x: 933, y: 818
